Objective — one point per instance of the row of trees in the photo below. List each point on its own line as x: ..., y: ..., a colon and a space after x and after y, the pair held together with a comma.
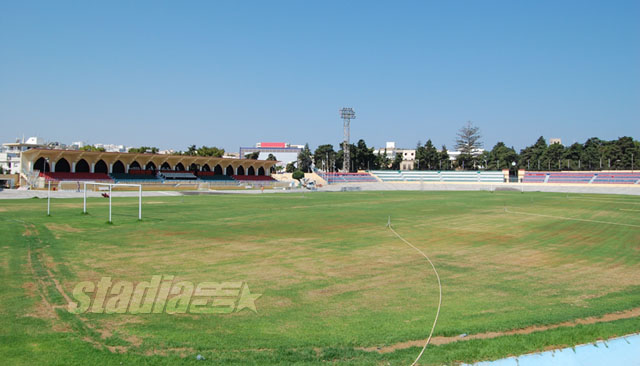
x: 192, y: 150
x: 203, y: 151
x: 594, y: 154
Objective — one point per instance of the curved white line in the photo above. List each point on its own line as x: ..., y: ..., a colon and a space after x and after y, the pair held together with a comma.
x: 439, y: 286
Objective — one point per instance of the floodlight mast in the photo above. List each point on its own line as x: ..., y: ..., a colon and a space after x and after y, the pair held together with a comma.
x: 347, y: 114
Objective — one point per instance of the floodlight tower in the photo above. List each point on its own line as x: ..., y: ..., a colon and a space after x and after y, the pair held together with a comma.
x: 347, y: 114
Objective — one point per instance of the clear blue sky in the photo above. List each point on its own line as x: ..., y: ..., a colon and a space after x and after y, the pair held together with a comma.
x: 231, y: 73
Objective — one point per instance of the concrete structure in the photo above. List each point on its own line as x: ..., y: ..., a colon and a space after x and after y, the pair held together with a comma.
x: 11, y: 152
x: 74, y: 161
x: 284, y: 152
x: 112, y: 147
x: 408, y: 155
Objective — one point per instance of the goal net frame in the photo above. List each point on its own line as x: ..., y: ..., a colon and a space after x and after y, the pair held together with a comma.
x: 111, y: 185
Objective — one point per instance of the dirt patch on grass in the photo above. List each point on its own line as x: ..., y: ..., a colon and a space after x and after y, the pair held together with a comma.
x: 528, y: 330
x: 110, y: 326
x: 62, y: 228
x: 180, y: 351
x: 30, y: 230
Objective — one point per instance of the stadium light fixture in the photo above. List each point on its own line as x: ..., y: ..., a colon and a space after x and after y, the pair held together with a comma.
x: 347, y: 114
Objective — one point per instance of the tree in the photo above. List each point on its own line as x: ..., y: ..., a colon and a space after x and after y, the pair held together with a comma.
x: 591, y: 154
x: 364, y: 157
x: 468, y: 140
x: 271, y: 157
x: 323, y: 156
x: 340, y: 156
x: 191, y: 151
x: 500, y: 157
x: 291, y: 167
x: 443, y: 158
x: 396, y: 162
x: 304, y: 159
x: 429, y: 157
x: 552, y: 158
x: 382, y: 160
x: 92, y: 148
x: 210, y: 151
x: 297, y: 175
x: 465, y: 161
x: 253, y: 156
x: 532, y: 156
x: 144, y: 149
x: 572, y: 157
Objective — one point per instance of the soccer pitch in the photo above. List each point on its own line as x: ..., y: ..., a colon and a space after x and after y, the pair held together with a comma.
x: 329, y: 282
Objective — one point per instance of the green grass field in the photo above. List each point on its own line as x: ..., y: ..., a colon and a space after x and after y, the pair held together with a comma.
x: 336, y: 285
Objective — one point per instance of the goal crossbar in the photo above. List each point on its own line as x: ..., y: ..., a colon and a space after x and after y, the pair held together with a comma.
x: 111, y: 185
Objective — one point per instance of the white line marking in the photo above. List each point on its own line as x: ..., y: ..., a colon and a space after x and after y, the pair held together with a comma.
x: 627, y: 202
x: 439, y: 286
x: 628, y: 209
x: 570, y: 218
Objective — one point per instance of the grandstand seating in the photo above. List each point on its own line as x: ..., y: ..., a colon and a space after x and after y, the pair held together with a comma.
x: 439, y: 176
x: 141, y: 176
x: 177, y: 175
x: 141, y: 172
x: 617, y: 178
x: 253, y: 178
x: 569, y: 177
x: 534, y: 177
x: 211, y: 176
x: 347, y: 177
x: 56, y: 176
x: 582, y: 177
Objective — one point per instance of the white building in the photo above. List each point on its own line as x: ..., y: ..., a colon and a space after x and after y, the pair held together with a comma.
x: 408, y: 155
x: 284, y: 152
x: 112, y: 147
x: 10, y: 153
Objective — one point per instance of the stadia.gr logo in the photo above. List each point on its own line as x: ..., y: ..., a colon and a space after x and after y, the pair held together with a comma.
x: 161, y: 295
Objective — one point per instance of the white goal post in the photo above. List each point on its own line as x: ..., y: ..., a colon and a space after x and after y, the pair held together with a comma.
x: 111, y: 185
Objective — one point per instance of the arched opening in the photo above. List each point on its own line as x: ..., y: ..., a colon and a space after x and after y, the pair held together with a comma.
x: 217, y: 170
x: 42, y: 165
x: 165, y: 166
x: 150, y: 166
x: 118, y: 167
x: 193, y: 167
x: 229, y: 170
x: 82, y: 166
x: 134, y: 166
x: 240, y: 170
x: 180, y: 167
x: 272, y: 169
x: 251, y: 171
x: 62, y: 166
x: 261, y: 171
x: 100, y: 167
x: 206, y: 168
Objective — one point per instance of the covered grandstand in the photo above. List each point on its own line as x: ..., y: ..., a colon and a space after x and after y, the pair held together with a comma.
x: 42, y: 165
